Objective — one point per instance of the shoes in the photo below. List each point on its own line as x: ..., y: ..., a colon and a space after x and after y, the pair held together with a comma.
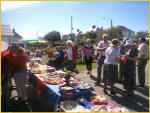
x: 112, y: 92
x: 120, y: 81
x: 141, y: 85
x: 105, y: 92
x: 87, y: 73
x: 97, y: 82
x: 131, y: 93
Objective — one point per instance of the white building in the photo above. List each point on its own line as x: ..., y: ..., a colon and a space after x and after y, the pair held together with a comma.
x: 9, y: 35
x: 99, y: 32
x: 127, y: 32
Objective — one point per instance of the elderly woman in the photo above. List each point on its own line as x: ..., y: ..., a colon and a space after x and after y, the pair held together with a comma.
x: 88, y: 56
x: 130, y: 67
x: 110, y: 65
x: 71, y: 55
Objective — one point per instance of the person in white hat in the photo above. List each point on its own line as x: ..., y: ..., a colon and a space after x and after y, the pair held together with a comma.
x: 130, y: 67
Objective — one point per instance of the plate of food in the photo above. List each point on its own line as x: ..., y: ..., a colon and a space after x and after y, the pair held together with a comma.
x: 67, y: 88
x: 83, y: 85
x: 54, y: 81
x: 68, y: 105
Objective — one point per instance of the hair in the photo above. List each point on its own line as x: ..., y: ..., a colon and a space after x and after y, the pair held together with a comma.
x: 69, y: 42
x: 21, y: 49
x: 88, y: 40
x: 105, y: 35
x: 143, y: 39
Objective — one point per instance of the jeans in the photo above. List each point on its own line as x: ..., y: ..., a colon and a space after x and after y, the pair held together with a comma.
x: 99, y: 69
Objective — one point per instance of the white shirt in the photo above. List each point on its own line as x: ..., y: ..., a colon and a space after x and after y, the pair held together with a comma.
x: 143, y: 50
x: 111, y: 54
x: 69, y: 53
x: 102, y: 44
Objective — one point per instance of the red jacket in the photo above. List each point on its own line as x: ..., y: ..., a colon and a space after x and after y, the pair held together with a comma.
x: 20, y: 61
x: 7, y: 60
x: 74, y: 52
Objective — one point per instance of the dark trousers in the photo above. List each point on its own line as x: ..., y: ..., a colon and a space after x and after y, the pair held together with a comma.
x: 99, y: 68
x: 88, y: 64
x: 141, y: 71
x: 121, y: 71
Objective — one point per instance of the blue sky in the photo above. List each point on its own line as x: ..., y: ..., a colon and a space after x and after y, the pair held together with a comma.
x: 29, y: 17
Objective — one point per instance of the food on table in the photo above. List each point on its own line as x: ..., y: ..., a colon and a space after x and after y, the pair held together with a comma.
x: 68, y: 104
x: 53, y: 81
x: 83, y: 85
x: 67, y: 88
x: 99, y: 108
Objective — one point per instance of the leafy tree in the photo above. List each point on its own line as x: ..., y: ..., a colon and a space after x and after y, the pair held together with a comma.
x: 53, y: 36
x: 91, y: 35
x: 114, y: 32
x: 142, y: 34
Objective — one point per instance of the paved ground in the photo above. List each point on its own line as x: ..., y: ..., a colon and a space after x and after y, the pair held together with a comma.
x: 138, y: 103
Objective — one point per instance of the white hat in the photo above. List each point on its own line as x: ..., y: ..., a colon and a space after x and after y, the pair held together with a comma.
x: 4, y: 46
x: 129, y: 42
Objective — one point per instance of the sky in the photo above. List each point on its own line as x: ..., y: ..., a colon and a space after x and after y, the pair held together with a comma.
x: 32, y: 19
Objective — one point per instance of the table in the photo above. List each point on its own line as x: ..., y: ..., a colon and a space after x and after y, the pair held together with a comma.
x: 51, y: 93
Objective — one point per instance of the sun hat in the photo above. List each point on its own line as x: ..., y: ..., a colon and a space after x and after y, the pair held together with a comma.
x: 114, y: 42
x: 130, y: 42
x: 4, y: 46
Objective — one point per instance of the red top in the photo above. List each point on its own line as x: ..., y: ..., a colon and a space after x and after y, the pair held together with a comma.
x: 20, y: 61
x: 7, y: 61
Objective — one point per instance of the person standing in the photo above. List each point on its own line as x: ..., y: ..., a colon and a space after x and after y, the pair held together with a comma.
x: 50, y: 51
x: 71, y: 55
x: 130, y: 67
x: 110, y: 66
x: 142, y: 61
x: 101, y: 48
x: 122, y: 51
x: 88, y: 56
x: 20, y: 73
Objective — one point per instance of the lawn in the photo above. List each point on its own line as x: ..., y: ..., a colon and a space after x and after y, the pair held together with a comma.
x: 82, y: 66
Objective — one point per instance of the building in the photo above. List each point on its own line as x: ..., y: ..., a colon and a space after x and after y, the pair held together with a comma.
x: 79, y: 35
x: 9, y: 35
x: 127, y: 32
x: 99, y: 32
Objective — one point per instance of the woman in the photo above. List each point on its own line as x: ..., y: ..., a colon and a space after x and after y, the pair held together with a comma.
x: 71, y: 55
x: 110, y: 66
x: 20, y: 72
x: 88, y: 56
x: 130, y: 67
x: 50, y: 51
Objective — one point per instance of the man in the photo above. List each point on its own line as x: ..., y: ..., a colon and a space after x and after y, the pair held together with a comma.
x: 122, y: 51
x: 101, y: 48
x: 142, y: 61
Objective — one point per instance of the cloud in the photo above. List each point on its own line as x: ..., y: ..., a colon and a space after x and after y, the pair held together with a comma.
x: 6, y: 5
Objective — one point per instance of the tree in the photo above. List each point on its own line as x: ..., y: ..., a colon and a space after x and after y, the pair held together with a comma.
x: 53, y: 36
x: 142, y: 34
x: 114, y: 32
x: 91, y: 35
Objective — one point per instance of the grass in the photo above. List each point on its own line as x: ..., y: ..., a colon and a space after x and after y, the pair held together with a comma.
x: 82, y: 66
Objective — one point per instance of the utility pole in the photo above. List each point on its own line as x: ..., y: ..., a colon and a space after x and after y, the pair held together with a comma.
x: 71, y: 28
x: 111, y: 23
x: 37, y: 34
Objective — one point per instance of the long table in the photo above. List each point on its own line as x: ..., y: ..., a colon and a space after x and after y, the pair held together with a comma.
x: 51, y: 93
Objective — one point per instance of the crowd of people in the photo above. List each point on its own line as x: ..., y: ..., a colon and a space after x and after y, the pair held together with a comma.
x: 118, y: 59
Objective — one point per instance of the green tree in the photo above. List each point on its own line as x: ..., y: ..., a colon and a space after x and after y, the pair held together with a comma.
x: 91, y: 35
x: 142, y: 34
x: 114, y: 32
x: 53, y: 36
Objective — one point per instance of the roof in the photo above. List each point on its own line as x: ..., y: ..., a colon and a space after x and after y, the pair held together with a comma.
x: 6, y: 30
x: 125, y: 29
x: 16, y: 34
